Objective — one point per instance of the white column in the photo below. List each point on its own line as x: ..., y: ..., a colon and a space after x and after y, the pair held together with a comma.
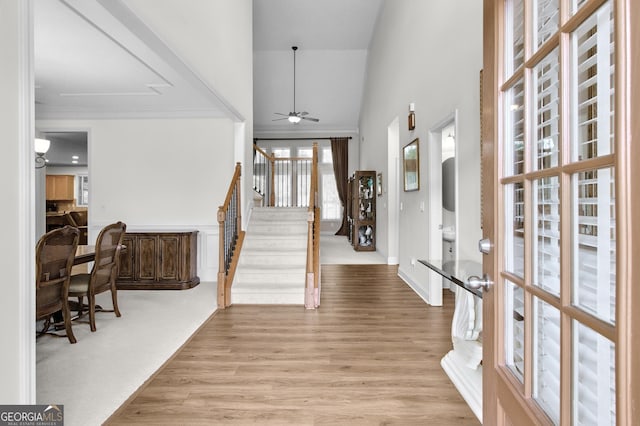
x: 17, y: 357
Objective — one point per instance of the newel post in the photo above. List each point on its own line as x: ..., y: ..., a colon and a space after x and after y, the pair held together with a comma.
x: 222, y: 274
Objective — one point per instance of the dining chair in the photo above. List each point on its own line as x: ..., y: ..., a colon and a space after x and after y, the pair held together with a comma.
x: 54, y: 258
x: 103, y: 274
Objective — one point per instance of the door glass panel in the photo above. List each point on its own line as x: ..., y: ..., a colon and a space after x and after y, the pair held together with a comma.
x: 514, y: 41
x: 514, y: 329
x: 547, y: 112
x: 514, y: 131
x: 514, y: 228
x: 594, y: 245
x: 546, y: 358
x: 546, y: 234
x: 593, y: 86
x: 577, y: 4
x: 594, y: 390
x: 547, y: 15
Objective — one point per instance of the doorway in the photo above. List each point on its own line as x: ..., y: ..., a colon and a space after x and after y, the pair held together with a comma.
x: 443, y: 191
x: 64, y: 196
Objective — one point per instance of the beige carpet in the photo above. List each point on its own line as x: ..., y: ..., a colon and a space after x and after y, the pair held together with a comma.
x: 96, y: 375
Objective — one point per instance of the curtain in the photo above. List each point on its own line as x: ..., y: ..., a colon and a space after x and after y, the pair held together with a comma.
x: 340, y: 154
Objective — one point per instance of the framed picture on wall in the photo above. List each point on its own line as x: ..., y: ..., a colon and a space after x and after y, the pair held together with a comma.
x: 411, y: 166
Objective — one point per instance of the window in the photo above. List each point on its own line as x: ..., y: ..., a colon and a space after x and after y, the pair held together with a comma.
x: 331, y: 206
x: 82, y: 190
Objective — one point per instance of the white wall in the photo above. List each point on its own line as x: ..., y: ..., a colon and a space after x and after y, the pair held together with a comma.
x: 159, y: 174
x: 429, y: 53
x: 214, y: 38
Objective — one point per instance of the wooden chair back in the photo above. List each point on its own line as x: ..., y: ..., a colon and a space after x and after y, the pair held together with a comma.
x: 105, y: 267
x: 55, y: 252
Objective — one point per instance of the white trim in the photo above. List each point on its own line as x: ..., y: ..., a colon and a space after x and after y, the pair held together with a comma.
x: 116, y: 115
x: 133, y: 23
x: 26, y: 209
x: 419, y: 290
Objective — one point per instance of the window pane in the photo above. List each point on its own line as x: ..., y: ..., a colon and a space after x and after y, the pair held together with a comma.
x: 514, y: 41
x: 514, y: 130
x: 593, y: 86
x: 594, y: 390
x: 331, y: 206
x: 594, y: 247
x: 83, y: 190
x: 514, y: 329
x: 305, y: 152
x: 546, y: 82
x: 546, y: 358
x: 547, y: 15
x: 282, y: 183
x: 327, y: 157
x: 281, y: 152
x: 303, y: 181
x: 546, y: 234
x: 514, y: 229
x: 577, y: 4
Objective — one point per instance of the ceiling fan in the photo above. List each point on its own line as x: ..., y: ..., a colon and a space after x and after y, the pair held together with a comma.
x: 295, y: 116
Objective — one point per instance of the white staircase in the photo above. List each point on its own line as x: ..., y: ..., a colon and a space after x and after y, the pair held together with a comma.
x: 271, y: 269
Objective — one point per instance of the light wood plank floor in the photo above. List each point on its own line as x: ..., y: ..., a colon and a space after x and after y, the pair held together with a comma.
x: 370, y: 355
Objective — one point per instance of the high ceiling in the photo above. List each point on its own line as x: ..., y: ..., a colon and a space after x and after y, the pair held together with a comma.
x: 333, y: 37
x: 96, y: 59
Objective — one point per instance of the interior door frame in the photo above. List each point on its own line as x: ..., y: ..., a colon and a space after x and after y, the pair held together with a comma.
x: 501, y: 399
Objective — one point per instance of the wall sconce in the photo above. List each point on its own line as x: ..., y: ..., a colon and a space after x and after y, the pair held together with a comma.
x: 41, y: 148
x: 412, y: 116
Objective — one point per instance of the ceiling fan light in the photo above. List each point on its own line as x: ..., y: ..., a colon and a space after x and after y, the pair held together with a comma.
x: 294, y: 119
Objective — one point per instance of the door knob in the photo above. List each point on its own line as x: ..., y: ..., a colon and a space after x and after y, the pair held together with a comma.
x: 475, y: 282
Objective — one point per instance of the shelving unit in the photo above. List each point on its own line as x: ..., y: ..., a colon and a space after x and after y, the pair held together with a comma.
x: 362, y: 211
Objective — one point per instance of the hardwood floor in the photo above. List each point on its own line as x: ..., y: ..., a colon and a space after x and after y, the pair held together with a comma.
x: 370, y: 355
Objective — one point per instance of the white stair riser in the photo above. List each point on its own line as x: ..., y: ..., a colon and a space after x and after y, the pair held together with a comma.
x: 288, y: 259
x: 249, y: 278
x: 274, y: 229
x: 258, y: 244
x: 273, y: 258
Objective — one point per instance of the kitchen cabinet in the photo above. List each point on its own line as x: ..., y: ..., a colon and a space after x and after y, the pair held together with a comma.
x: 159, y: 260
x: 60, y: 187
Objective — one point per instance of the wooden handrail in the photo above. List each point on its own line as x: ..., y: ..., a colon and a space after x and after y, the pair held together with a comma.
x: 231, y: 237
x: 312, y: 284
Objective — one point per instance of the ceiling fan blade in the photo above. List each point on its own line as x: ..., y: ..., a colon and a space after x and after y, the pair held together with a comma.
x: 278, y: 119
x: 302, y: 113
x: 310, y: 119
x: 279, y: 113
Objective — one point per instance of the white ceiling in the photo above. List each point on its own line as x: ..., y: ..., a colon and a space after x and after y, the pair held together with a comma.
x: 96, y: 59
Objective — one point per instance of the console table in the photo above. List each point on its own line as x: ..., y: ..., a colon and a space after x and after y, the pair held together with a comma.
x: 463, y: 364
x: 162, y: 260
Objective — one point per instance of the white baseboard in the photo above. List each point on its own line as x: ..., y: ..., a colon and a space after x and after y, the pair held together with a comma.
x: 468, y: 381
x: 417, y: 288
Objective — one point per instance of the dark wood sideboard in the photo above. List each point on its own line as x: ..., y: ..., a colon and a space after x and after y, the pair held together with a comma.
x: 165, y: 260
